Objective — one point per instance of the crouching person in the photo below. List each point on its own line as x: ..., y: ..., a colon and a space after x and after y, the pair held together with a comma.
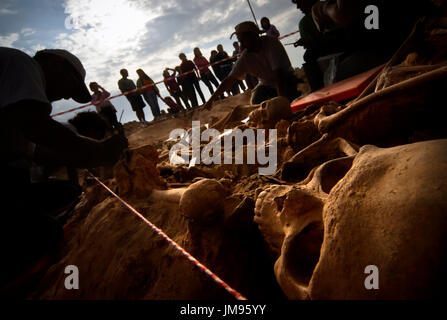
x: 265, y: 58
x: 29, y: 134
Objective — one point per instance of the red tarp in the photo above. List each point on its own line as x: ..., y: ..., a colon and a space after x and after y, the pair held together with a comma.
x: 339, y: 91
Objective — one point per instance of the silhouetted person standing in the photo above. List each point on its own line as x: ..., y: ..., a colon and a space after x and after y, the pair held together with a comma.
x: 226, y: 67
x: 149, y: 93
x: 190, y: 80
x: 134, y: 98
x: 173, y: 87
x: 105, y: 108
x: 205, y: 73
x: 269, y: 29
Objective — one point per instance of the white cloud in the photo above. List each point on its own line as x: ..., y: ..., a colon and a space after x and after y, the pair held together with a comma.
x: 8, y: 40
x: 5, y: 11
x: 283, y: 19
x: 105, y: 32
x: 149, y: 34
x: 26, y: 32
x: 260, y: 3
x: 37, y: 47
x: 220, y: 14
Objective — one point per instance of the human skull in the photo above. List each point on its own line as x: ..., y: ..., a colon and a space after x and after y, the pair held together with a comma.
x: 274, y: 110
x: 300, y: 214
x: 203, y: 201
x: 320, y: 151
x: 381, y: 207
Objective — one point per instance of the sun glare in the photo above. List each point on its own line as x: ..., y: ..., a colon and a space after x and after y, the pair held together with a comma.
x: 112, y: 22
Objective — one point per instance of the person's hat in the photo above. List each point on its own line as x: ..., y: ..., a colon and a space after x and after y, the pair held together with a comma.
x: 246, y: 26
x: 82, y: 95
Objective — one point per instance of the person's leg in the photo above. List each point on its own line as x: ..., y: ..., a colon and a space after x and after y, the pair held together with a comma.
x: 241, y: 85
x: 189, y: 91
x: 176, y: 96
x: 110, y: 117
x: 193, y: 96
x: 314, y: 75
x: 206, y: 81
x: 219, y: 76
x: 262, y: 93
x: 154, y: 99
x: 213, y: 79
x: 137, y: 103
x: 140, y: 114
x: 235, y: 89
x: 114, y: 119
x: 184, y: 99
x: 252, y: 81
x: 248, y: 81
x: 291, y: 90
x: 149, y: 101
x: 199, y: 90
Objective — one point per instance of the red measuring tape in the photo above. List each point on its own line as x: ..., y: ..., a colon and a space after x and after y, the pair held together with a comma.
x: 174, y: 244
x: 153, y: 84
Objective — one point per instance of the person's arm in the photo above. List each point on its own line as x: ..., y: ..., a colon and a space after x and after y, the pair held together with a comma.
x: 174, y: 72
x: 106, y: 93
x: 223, y: 87
x: 300, y: 42
x: 197, y: 71
x: 58, y: 145
x: 280, y: 77
x: 279, y: 63
x: 156, y: 88
x: 275, y: 31
x: 167, y: 86
x: 139, y: 86
x: 340, y: 12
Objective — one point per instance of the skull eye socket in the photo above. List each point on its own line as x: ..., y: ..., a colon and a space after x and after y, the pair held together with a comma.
x: 280, y: 202
x: 333, y: 171
x: 304, y: 252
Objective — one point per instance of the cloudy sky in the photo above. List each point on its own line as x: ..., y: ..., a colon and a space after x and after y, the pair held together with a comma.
x: 108, y: 35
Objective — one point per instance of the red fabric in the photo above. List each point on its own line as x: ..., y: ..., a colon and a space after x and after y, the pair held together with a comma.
x: 202, y: 64
x: 146, y: 82
x: 172, y: 84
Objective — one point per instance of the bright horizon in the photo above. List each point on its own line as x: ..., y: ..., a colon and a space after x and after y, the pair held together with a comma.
x: 110, y: 35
